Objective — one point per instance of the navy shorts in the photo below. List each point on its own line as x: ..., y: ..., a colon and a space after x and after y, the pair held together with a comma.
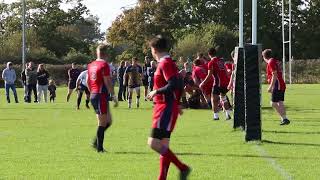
x: 100, y: 103
x: 72, y: 84
x: 83, y: 88
x: 216, y: 90
x: 277, y: 95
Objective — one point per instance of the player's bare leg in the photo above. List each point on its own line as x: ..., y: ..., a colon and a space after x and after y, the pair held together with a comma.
x: 281, y: 110
x: 208, y: 99
x: 138, y: 97
x: 146, y: 89
x: 130, y: 92
x: 69, y: 94
x: 215, y: 106
x: 226, y: 106
x: 166, y: 157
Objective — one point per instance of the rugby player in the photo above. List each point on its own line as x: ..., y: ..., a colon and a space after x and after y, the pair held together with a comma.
x: 217, y: 69
x: 133, y: 77
x: 73, y: 74
x: 100, y: 85
x: 199, y: 73
x: 83, y: 88
x: 277, y: 85
x: 168, y: 87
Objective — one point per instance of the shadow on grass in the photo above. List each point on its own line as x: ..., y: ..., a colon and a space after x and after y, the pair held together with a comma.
x: 291, y: 144
x: 217, y: 155
x: 289, y: 132
x: 12, y: 119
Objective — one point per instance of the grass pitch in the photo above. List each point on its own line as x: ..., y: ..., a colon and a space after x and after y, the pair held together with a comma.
x: 52, y: 141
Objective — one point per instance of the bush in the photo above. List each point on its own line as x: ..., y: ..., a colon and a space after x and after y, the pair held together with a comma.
x: 207, y: 36
x: 77, y: 57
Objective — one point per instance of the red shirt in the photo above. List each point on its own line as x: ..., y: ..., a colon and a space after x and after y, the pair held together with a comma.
x: 166, y: 70
x: 201, y: 72
x: 96, y: 71
x: 216, y: 65
x: 273, y: 65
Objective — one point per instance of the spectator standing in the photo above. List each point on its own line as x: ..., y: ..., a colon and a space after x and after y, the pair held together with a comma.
x: 9, y: 77
x: 43, y: 82
x: 24, y: 82
x: 145, y: 78
x: 151, y: 72
x: 31, y: 82
x: 120, y: 73
x: 52, y: 89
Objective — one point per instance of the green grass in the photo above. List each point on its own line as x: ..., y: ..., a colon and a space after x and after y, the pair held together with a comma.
x: 52, y: 141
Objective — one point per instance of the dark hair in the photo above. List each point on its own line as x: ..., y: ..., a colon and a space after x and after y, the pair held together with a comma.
x: 200, y: 55
x: 160, y: 43
x: 102, y: 48
x: 267, y: 53
x: 197, y: 62
x: 212, y: 51
x: 134, y: 59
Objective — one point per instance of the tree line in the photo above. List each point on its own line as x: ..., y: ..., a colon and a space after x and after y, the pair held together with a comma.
x: 57, y: 35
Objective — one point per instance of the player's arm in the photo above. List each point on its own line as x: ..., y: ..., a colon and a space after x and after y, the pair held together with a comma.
x: 230, y: 85
x: 88, y: 84
x: 108, y: 83
x: 273, y: 81
x: 173, y: 83
x: 210, y: 72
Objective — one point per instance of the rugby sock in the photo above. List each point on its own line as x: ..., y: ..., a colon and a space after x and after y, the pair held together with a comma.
x: 167, y: 153
x: 215, y: 115
x: 164, y: 167
x: 78, y: 102
x: 100, y: 137
x: 87, y: 103
x: 210, y: 104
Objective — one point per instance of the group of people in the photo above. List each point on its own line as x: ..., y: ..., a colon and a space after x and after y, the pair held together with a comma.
x: 165, y: 84
x: 34, y: 80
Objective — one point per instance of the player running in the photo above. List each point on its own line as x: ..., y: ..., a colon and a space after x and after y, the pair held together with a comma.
x: 166, y: 95
x: 73, y: 74
x: 100, y: 85
x: 133, y: 77
x: 217, y: 70
x: 82, y: 88
x: 199, y: 74
x: 277, y: 85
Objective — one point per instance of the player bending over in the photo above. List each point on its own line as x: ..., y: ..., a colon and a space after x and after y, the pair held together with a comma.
x: 100, y: 85
x: 166, y: 95
x: 217, y: 69
x: 277, y: 85
x: 82, y: 87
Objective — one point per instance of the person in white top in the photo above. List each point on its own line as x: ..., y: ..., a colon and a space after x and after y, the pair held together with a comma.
x: 82, y: 87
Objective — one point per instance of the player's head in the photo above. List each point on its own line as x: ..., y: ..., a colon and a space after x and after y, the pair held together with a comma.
x: 197, y: 62
x: 73, y: 65
x: 200, y: 55
x: 159, y: 45
x: 153, y: 64
x: 122, y: 63
x: 267, y: 54
x: 126, y: 63
x: 9, y: 65
x: 51, y: 82
x: 40, y: 67
x: 212, y: 52
x: 147, y: 59
x: 30, y: 64
x: 102, y: 51
x: 84, y: 66
x: 134, y: 60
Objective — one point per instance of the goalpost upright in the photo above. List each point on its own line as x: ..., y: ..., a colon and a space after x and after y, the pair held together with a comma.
x: 284, y: 41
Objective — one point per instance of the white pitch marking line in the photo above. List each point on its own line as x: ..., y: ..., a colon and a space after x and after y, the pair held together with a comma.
x: 273, y: 163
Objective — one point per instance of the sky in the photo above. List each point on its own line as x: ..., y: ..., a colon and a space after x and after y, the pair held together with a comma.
x: 106, y: 10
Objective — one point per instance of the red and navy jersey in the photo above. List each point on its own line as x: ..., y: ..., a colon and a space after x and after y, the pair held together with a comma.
x: 200, y: 73
x: 229, y: 68
x: 273, y: 65
x: 96, y: 71
x: 216, y: 65
x: 166, y: 69
x: 73, y: 74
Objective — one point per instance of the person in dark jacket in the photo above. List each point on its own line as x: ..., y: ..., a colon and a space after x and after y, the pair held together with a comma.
x: 43, y: 82
x: 120, y: 73
x: 145, y: 78
x: 150, y: 73
x: 73, y: 74
x: 31, y: 82
x: 24, y: 82
x: 52, y: 89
